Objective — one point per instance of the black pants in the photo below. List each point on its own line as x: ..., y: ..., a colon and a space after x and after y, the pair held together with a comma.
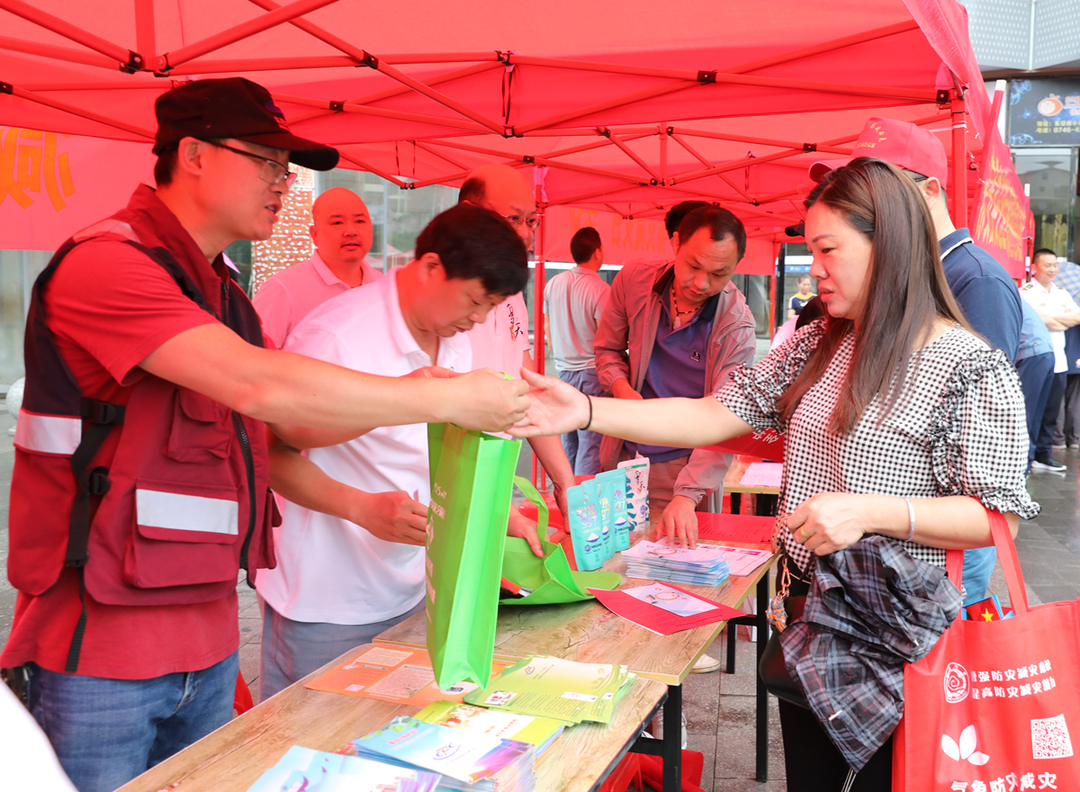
x: 814, y: 765
x: 1049, y: 417
x: 1068, y: 422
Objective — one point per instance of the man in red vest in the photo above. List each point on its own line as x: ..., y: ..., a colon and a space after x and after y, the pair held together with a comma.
x: 140, y: 485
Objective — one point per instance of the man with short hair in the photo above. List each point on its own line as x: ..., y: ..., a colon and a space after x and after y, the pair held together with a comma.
x: 346, y: 572
x: 140, y: 486
x: 677, y: 328
x: 502, y: 342
x: 1059, y: 311
x: 981, y: 286
x: 574, y: 302
x: 342, y: 233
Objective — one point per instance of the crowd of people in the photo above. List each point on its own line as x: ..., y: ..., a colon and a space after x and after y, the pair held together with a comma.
x: 181, y: 408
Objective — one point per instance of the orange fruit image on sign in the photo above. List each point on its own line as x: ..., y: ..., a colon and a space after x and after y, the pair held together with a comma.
x: 1050, y: 106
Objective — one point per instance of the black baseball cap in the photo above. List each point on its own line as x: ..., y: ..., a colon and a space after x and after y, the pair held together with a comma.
x: 233, y: 107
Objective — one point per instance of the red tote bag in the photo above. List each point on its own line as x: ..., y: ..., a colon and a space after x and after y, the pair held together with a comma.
x: 995, y: 707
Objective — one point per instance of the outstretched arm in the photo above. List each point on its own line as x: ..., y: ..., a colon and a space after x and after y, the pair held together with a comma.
x: 282, y: 387
x: 683, y: 423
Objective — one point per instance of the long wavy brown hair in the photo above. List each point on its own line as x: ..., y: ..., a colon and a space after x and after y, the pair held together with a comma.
x: 907, y: 290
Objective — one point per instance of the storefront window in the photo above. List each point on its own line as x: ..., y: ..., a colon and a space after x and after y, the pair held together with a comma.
x: 1050, y: 175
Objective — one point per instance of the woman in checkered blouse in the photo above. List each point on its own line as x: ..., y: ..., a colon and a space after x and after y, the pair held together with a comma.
x: 898, y: 420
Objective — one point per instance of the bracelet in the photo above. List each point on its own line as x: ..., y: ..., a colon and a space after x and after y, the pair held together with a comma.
x: 588, y: 423
x: 911, y: 519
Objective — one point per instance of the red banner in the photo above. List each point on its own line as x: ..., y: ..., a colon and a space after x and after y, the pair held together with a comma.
x: 1001, y: 210
x: 52, y: 185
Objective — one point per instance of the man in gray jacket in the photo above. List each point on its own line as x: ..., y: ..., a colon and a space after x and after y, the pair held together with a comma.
x: 677, y: 328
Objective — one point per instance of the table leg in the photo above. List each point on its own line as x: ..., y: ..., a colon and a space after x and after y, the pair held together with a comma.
x: 762, y: 730
x: 673, y: 739
x: 668, y: 749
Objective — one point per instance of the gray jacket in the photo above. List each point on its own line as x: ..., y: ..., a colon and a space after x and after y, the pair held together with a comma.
x: 624, y: 343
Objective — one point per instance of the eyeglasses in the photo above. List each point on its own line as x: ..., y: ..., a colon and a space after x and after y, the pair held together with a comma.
x: 517, y: 221
x: 273, y: 172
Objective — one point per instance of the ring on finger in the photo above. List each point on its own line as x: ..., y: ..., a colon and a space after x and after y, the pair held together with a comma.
x: 803, y: 533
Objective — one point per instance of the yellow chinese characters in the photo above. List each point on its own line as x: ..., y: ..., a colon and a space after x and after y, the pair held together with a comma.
x: 29, y: 163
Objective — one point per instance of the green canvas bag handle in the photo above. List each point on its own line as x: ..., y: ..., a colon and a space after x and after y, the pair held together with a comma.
x: 550, y: 578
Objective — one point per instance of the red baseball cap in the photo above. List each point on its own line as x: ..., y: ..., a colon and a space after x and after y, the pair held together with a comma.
x: 904, y: 145
x: 233, y: 107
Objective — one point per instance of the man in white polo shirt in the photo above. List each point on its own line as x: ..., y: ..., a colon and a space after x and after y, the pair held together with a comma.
x: 1059, y: 311
x: 344, y: 574
x: 342, y: 233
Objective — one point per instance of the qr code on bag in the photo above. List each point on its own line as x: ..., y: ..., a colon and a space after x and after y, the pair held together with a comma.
x: 1050, y: 738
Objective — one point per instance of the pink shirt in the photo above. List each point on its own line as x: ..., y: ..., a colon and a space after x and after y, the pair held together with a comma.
x: 291, y: 294
x: 500, y: 343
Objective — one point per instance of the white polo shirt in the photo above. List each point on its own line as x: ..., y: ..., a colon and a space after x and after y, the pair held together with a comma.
x: 329, y: 569
x: 293, y: 293
x: 1055, y: 299
x: 500, y: 343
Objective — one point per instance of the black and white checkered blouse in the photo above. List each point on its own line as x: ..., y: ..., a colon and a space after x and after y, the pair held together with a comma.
x: 958, y: 430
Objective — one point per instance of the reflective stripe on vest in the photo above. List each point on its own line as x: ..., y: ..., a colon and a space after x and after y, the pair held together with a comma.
x: 48, y: 434
x: 179, y: 512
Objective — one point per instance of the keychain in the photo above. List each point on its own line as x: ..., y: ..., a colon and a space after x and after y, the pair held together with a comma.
x: 776, y: 612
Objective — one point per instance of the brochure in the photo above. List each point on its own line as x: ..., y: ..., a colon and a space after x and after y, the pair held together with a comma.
x: 467, y: 760
x: 706, y: 565
x: 307, y: 770
x: 394, y: 673
x: 551, y: 687
x: 541, y: 732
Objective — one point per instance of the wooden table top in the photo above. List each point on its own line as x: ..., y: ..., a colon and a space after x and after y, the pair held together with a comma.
x: 733, y: 478
x: 589, y: 633
x: 232, y: 758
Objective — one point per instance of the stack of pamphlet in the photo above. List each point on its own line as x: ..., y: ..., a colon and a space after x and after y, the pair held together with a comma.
x: 304, y: 768
x: 551, y: 687
x: 706, y: 565
x: 469, y: 761
x: 541, y: 732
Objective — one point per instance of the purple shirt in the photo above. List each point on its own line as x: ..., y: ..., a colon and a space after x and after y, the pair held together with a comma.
x: 676, y: 367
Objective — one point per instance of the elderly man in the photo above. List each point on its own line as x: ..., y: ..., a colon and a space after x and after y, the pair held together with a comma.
x: 149, y: 380
x: 502, y: 342
x: 981, y: 286
x: 341, y: 230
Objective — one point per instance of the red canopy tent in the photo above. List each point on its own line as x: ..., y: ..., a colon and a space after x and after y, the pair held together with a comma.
x: 616, y: 107
x: 625, y: 107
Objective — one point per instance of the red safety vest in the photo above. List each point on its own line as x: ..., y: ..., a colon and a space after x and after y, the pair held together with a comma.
x: 184, y: 503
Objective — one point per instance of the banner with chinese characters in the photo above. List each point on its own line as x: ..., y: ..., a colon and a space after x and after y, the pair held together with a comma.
x: 1001, y: 210
x: 52, y: 185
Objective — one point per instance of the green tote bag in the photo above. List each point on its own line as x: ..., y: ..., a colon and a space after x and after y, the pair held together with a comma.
x: 550, y: 577
x: 472, y: 476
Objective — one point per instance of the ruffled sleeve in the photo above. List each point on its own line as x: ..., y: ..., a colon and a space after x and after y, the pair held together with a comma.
x: 979, y: 439
x: 752, y: 392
